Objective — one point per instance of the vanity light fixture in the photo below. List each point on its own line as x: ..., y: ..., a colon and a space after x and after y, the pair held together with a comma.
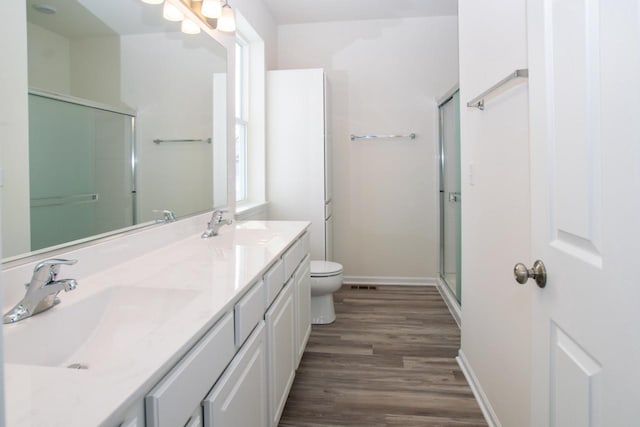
x: 227, y: 21
x: 211, y: 8
x: 212, y: 13
x: 171, y: 13
x: 189, y: 27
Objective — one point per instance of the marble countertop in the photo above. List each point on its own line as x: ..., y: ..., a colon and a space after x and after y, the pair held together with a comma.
x: 130, y: 323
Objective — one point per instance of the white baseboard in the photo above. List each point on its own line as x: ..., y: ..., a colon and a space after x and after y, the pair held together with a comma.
x: 478, y: 392
x: 451, y: 301
x: 383, y: 280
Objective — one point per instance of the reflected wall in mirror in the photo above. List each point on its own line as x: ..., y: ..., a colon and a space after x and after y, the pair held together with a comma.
x: 106, y: 80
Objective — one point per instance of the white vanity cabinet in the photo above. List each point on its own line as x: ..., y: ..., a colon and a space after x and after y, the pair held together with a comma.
x: 248, y: 312
x: 281, y: 347
x: 239, y: 399
x: 195, y: 420
x: 241, y: 372
x: 134, y: 416
x: 302, y: 295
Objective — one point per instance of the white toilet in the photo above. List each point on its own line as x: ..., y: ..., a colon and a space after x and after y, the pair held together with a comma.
x: 326, y: 278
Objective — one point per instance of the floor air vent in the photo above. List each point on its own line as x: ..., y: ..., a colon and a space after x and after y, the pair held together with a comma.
x: 369, y: 287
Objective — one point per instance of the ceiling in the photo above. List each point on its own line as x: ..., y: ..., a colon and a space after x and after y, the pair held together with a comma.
x: 87, y: 18
x: 306, y: 11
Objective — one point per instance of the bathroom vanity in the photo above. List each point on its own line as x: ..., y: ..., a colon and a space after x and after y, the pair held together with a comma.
x: 168, y: 329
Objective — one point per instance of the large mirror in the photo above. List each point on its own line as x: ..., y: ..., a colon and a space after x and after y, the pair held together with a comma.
x: 127, y: 119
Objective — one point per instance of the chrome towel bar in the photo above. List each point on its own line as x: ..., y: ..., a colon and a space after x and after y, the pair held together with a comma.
x: 160, y: 141
x: 478, y: 101
x: 71, y: 199
x: 354, y: 137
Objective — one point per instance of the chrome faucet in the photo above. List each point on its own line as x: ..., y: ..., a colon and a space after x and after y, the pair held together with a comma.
x: 217, y: 221
x: 167, y: 215
x: 42, y: 291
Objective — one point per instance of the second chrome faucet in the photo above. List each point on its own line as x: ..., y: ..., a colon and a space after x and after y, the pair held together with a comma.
x: 217, y: 221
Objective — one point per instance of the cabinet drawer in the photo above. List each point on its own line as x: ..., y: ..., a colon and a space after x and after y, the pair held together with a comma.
x: 274, y: 281
x: 291, y: 259
x: 172, y: 401
x: 248, y: 312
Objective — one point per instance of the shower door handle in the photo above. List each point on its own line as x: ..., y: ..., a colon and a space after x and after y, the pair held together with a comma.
x: 454, y: 197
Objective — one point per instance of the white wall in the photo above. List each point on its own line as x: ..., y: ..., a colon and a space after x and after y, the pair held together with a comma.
x: 14, y: 129
x: 50, y: 60
x: 13, y: 134
x: 496, y: 312
x: 95, y: 69
x: 383, y: 78
x: 87, y: 67
x: 258, y: 15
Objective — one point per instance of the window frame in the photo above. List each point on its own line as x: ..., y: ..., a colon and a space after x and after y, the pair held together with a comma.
x: 241, y: 114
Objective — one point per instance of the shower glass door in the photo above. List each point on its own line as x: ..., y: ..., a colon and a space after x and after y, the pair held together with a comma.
x: 450, y: 197
x: 80, y: 171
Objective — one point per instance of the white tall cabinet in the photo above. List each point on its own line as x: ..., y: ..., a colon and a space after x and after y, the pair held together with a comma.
x: 298, y: 154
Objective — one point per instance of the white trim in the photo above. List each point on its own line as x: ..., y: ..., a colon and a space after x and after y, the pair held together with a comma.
x: 397, y: 281
x: 450, y: 300
x: 447, y: 95
x: 249, y: 210
x: 488, y: 412
x: 81, y: 101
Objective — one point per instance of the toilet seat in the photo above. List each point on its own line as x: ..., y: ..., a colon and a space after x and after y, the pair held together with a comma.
x: 325, y: 269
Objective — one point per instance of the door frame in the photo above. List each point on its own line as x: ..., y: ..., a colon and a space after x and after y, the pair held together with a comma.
x: 441, y: 102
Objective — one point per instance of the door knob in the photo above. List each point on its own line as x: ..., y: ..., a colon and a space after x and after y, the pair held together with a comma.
x: 537, y: 273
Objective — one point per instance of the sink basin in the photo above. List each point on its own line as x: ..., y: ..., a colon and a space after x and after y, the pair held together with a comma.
x: 87, y: 333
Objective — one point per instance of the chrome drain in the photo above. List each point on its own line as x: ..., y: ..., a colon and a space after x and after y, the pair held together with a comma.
x: 78, y: 366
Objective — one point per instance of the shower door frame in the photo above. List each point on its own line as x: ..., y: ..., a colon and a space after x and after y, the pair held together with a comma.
x: 448, y: 97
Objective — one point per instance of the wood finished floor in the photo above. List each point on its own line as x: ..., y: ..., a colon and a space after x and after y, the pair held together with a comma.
x: 387, y: 360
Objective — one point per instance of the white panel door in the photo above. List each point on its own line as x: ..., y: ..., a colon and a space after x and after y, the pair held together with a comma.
x: 584, y: 74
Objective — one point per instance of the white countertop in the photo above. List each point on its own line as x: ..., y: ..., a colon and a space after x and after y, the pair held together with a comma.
x: 156, y: 306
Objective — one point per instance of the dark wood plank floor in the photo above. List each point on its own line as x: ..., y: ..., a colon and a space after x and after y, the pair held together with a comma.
x: 388, y: 360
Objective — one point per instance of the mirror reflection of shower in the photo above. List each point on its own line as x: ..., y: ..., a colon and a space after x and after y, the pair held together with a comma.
x: 450, y: 195
x: 80, y: 170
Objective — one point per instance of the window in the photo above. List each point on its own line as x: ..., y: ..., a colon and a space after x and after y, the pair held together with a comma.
x: 250, y: 126
x: 242, y: 120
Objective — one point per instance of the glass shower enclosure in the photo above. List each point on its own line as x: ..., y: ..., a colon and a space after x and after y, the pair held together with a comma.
x: 450, y: 195
x: 81, y: 176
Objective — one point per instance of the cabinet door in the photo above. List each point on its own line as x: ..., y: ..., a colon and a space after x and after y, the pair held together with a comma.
x: 303, y: 307
x: 196, y: 418
x: 281, y: 345
x: 239, y: 399
x: 173, y: 399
